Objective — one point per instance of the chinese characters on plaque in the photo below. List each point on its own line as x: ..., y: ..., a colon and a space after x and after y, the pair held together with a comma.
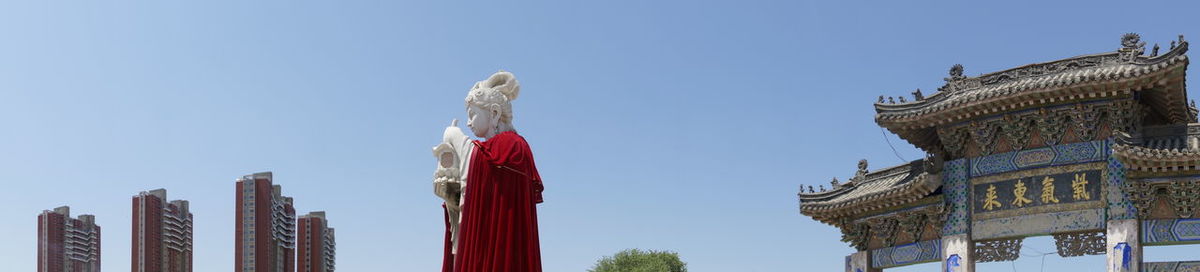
x: 1037, y: 190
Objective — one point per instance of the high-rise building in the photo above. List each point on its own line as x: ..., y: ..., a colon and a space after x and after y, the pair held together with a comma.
x: 266, y: 226
x: 316, y: 246
x: 162, y: 233
x: 68, y: 244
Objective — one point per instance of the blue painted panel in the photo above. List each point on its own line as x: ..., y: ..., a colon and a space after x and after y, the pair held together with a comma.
x: 913, y: 253
x: 1171, y: 231
x: 1039, y: 157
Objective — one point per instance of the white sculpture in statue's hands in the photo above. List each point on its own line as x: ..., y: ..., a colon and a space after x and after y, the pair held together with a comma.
x: 452, y: 153
x: 449, y: 180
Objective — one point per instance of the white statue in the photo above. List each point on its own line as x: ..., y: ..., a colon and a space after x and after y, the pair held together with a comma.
x: 490, y: 112
x: 491, y: 187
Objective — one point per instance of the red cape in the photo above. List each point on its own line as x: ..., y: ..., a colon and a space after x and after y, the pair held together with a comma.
x: 499, y: 217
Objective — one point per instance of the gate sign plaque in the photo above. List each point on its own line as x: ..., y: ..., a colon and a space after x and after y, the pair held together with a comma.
x: 1037, y: 191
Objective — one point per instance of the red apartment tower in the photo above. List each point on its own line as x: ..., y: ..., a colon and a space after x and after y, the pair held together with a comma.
x: 316, y: 245
x: 162, y: 233
x: 266, y: 227
x: 68, y: 244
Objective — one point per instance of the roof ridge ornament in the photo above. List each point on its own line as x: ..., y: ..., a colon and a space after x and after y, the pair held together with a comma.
x: 1132, y: 46
x: 862, y: 171
x: 1179, y: 43
x: 956, y: 81
x: 956, y: 73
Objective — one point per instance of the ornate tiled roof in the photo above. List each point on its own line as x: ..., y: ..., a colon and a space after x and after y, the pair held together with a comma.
x: 1159, y: 78
x: 1161, y: 149
x: 869, y: 191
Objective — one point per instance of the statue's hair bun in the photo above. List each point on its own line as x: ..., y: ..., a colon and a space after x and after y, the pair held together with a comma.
x: 506, y: 83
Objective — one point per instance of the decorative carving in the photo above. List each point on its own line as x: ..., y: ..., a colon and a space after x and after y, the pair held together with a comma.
x: 1131, y: 40
x: 1050, y: 126
x: 862, y: 170
x: 1050, y: 123
x: 1085, y: 118
x: 833, y: 183
x: 984, y: 134
x: 1183, y: 195
x: 1125, y: 116
x: 956, y: 72
x: 1132, y: 46
x: 1079, y: 243
x: 1143, y: 195
x: 998, y: 250
x: 917, y: 95
x: 884, y: 230
x: 957, y: 81
x: 913, y: 223
x: 855, y: 234
x: 938, y: 217
x: 1154, y: 52
x: 880, y: 100
x: 1016, y: 129
x: 891, y: 100
x: 953, y: 140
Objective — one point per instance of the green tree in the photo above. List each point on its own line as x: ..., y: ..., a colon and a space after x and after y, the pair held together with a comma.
x: 635, y: 260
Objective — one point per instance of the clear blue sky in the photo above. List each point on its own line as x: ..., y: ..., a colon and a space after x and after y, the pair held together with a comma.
x: 677, y: 125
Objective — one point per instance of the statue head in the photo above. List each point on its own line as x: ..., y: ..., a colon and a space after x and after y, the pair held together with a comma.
x: 489, y: 104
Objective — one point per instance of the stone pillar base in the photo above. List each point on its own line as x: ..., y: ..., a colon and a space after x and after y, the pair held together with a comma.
x: 1124, y: 249
x: 860, y: 262
x: 956, y: 253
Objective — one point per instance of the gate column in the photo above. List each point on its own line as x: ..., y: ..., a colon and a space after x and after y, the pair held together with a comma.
x: 956, y: 253
x: 1123, y: 248
x: 860, y: 262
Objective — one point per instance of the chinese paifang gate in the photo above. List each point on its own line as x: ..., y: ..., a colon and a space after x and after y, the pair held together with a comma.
x: 1101, y: 151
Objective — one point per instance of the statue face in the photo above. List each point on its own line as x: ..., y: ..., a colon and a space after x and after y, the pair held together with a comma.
x: 481, y: 121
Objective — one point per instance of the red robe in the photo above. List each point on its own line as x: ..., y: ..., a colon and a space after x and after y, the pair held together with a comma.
x: 447, y: 256
x: 499, y: 218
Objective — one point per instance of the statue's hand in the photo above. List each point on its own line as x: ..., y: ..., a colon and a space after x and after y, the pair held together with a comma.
x: 447, y: 184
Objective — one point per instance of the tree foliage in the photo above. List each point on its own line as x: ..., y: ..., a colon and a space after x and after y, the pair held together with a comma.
x: 636, y: 260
